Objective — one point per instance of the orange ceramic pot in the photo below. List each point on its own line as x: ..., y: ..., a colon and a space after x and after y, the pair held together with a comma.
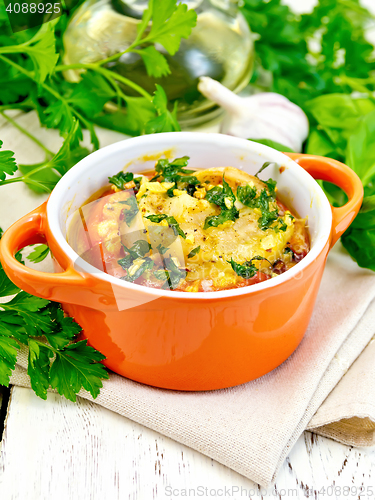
x: 178, y: 340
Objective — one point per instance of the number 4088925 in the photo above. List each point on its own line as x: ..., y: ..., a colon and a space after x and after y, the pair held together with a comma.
x: 34, y: 8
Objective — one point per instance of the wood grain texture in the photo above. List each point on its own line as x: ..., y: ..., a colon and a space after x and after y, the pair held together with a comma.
x: 56, y: 449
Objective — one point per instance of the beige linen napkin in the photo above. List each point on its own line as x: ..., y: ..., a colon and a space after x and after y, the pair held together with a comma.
x: 251, y: 428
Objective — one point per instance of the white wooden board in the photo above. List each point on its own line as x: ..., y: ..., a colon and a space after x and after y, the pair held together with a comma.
x: 56, y: 449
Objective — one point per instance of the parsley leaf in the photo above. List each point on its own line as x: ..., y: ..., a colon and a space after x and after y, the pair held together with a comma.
x: 41, y: 49
x: 126, y: 261
x: 26, y: 319
x: 7, y: 163
x: 58, y: 115
x: 194, y: 252
x: 172, y: 223
x: 156, y: 64
x: 70, y: 152
x: 92, y: 83
x: 38, y: 367
x: 166, y: 121
x: 267, y: 218
x: 170, y: 23
x: 7, y: 287
x: 39, y: 253
x: 77, y: 366
x: 265, y: 200
x: 139, y: 111
x: 173, y: 171
x: 224, y: 216
x: 68, y: 155
x: 8, y: 356
x: 161, y: 248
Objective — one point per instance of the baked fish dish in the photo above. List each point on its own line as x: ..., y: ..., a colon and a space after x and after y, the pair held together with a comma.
x: 189, y: 230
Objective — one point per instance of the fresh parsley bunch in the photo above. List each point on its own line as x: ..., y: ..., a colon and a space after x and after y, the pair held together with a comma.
x: 31, y: 78
x: 323, y: 62
x: 54, y: 358
x: 305, y: 56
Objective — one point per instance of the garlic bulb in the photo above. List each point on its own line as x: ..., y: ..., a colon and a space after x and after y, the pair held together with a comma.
x: 260, y: 116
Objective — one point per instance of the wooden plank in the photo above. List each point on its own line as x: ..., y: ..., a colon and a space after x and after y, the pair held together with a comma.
x: 58, y: 449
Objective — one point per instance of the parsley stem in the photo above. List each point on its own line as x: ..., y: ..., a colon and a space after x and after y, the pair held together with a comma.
x: 27, y: 181
x: 43, y: 166
x: 24, y: 131
x: 136, y: 42
x: 31, y: 75
x: 108, y: 74
x: 18, y: 105
x: 119, y: 54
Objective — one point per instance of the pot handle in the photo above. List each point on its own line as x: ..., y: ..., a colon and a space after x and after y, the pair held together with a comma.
x: 28, y: 230
x: 338, y: 173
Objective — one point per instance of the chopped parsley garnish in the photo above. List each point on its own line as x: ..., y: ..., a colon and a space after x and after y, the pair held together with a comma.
x: 265, y: 165
x: 289, y: 250
x: 194, y: 252
x: 175, y: 172
x: 162, y: 249
x: 129, y: 213
x: 170, y: 191
x: 126, y: 261
x: 145, y: 266
x: 171, y: 274
x: 122, y: 178
x: 281, y: 227
x: 224, y: 198
x: 271, y: 186
x: 172, y: 223
x: 139, y: 249
x: 190, y: 189
x: 161, y: 274
x: 267, y: 218
x: 246, y: 194
x: 171, y: 171
x: 267, y: 198
x: 247, y: 269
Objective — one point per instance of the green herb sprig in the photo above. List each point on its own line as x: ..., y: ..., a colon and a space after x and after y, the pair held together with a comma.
x: 176, y: 172
x: 172, y: 223
x: 55, y: 358
x: 31, y: 79
x: 223, y: 197
x: 265, y: 202
x: 171, y: 274
x: 246, y: 270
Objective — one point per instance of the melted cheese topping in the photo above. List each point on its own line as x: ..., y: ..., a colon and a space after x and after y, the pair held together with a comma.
x: 240, y: 240
x: 208, y: 269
